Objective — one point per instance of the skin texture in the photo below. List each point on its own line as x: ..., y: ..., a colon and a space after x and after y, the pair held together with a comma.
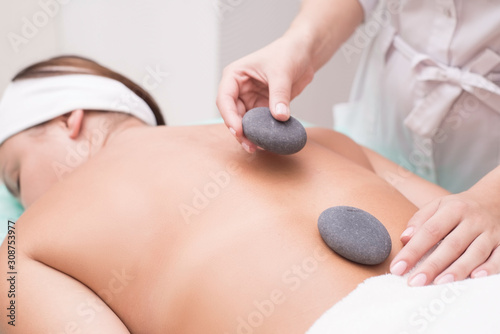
x: 115, y: 247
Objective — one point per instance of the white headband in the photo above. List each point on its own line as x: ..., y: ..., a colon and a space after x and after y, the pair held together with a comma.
x: 29, y: 102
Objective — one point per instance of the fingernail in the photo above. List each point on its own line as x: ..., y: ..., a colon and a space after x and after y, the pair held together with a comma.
x: 399, y: 268
x: 281, y: 109
x: 418, y: 280
x: 448, y: 278
x: 407, y: 232
x: 246, y: 148
x: 481, y: 273
x: 232, y: 131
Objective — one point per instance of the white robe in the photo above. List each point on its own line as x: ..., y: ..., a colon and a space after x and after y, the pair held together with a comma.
x: 427, y: 92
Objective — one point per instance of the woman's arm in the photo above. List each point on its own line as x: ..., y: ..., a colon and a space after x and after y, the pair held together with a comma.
x: 44, y: 300
x: 416, y: 189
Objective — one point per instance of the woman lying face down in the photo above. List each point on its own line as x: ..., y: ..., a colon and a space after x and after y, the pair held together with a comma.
x: 43, y: 153
x: 136, y: 228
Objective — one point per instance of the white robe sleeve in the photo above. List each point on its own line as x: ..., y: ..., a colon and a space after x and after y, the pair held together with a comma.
x: 368, y: 7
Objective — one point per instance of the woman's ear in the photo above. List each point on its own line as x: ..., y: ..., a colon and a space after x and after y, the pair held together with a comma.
x: 74, y: 123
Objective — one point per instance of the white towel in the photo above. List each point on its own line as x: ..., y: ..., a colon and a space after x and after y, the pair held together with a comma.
x: 29, y: 102
x: 386, y: 304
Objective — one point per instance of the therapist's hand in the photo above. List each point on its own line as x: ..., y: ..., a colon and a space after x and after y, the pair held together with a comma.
x: 468, y: 224
x: 270, y: 77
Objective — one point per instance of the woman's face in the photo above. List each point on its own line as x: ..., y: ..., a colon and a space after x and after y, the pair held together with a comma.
x: 34, y: 160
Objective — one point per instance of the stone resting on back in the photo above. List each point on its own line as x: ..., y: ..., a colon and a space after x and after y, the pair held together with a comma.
x: 193, y: 235
x: 350, y: 232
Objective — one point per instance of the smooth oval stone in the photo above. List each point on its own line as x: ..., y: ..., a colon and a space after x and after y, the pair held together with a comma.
x: 260, y: 127
x: 355, y: 234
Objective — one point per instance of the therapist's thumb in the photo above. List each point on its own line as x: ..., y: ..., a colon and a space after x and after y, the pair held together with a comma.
x: 279, y: 98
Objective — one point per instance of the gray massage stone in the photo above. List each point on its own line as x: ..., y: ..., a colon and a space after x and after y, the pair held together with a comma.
x: 355, y: 234
x: 260, y: 127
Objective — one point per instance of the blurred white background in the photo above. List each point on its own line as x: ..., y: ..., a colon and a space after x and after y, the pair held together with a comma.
x: 174, y: 48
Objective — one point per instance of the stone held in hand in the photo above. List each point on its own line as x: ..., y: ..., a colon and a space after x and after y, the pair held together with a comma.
x: 260, y: 127
x: 355, y: 234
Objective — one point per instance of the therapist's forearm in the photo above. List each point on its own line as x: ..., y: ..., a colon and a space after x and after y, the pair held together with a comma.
x: 324, y: 25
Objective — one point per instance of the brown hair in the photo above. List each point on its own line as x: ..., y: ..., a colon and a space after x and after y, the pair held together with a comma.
x: 65, y: 65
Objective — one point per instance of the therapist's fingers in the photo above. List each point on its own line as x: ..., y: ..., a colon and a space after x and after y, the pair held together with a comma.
x: 245, y: 143
x: 280, y: 90
x: 490, y: 267
x: 227, y: 102
x: 476, y: 253
x: 418, y: 219
x: 232, y: 110
x: 457, y: 253
x: 429, y: 234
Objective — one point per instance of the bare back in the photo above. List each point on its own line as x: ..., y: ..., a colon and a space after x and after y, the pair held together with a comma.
x: 176, y: 230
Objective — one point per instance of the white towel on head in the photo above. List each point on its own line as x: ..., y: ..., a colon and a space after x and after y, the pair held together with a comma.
x: 29, y: 102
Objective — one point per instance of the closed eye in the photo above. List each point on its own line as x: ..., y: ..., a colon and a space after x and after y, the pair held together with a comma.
x: 18, y: 185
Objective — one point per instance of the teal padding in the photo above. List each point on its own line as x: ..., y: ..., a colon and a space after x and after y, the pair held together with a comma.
x: 10, y: 209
